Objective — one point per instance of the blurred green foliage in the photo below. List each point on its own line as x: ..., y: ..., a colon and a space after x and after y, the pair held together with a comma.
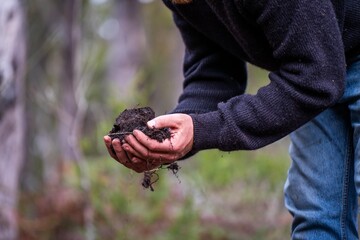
x: 216, y: 195
x: 220, y: 169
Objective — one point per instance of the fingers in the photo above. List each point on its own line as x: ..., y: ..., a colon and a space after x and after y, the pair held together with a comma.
x: 127, y: 158
x: 107, y: 141
x: 164, y: 121
x: 155, y: 158
x: 121, y: 156
x: 137, y: 149
x: 148, y: 143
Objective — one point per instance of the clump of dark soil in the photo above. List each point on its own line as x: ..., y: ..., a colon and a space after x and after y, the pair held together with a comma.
x: 136, y: 118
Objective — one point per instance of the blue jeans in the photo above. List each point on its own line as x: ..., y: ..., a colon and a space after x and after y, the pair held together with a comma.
x: 324, y: 178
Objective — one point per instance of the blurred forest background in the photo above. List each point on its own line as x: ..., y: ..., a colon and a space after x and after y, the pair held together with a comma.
x: 67, y: 69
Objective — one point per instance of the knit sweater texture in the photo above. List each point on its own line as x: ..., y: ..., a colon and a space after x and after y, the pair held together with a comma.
x: 304, y: 44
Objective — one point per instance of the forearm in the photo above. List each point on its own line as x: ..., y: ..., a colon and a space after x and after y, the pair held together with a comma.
x: 310, y: 78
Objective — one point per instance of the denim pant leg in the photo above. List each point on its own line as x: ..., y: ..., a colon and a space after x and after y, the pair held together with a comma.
x: 320, y: 189
x: 352, y: 99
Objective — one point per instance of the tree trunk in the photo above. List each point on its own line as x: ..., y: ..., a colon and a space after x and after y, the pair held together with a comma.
x: 12, y: 122
x: 68, y: 103
x: 73, y: 104
x: 127, y: 47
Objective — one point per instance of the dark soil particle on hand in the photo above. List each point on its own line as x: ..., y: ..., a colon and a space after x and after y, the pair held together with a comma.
x: 137, y: 118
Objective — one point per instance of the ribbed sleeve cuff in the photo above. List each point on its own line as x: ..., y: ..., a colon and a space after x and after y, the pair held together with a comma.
x: 206, y: 130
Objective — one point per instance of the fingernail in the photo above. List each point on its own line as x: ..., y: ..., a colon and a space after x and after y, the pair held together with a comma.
x: 151, y: 123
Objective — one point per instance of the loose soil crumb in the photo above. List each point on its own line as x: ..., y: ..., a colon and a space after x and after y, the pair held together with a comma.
x: 136, y: 118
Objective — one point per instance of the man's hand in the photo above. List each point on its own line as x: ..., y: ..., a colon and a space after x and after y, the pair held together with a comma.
x: 141, y: 153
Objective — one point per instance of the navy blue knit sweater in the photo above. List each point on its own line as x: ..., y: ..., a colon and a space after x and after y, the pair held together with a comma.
x: 305, y: 44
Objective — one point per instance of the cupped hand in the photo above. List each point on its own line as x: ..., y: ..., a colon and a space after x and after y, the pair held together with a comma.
x: 140, y: 153
x: 180, y: 143
x: 117, y: 152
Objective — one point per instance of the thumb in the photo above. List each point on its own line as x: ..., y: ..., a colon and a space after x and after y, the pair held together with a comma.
x: 162, y: 121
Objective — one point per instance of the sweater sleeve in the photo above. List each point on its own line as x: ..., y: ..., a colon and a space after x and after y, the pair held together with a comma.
x: 306, y: 40
x: 211, y: 74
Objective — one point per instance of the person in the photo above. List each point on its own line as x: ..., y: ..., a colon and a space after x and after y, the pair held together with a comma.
x: 311, y: 49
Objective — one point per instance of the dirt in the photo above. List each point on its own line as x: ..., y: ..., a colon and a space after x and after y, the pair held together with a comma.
x: 136, y: 118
